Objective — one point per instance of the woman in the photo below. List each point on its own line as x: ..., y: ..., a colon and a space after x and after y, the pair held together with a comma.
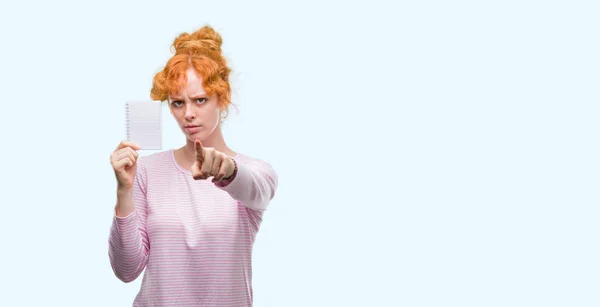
x: 192, y: 236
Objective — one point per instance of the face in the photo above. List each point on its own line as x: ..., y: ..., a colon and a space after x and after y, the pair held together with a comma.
x: 196, y: 113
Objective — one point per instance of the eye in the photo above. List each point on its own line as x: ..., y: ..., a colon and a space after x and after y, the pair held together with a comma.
x: 201, y: 100
x: 177, y: 103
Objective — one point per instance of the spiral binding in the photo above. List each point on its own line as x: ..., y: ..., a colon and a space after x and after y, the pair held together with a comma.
x: 127, y: 130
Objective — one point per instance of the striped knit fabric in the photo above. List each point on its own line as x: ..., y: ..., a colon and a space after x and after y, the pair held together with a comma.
x: 194, y: 238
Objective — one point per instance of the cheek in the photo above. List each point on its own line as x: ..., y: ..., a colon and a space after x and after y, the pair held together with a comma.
x: 177, y: 114
x: 211, y: 115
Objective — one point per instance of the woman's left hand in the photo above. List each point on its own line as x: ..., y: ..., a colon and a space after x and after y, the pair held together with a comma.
x: 211, y: 163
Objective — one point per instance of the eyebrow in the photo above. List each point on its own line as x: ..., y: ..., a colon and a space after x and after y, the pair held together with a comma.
x: 195, y: 96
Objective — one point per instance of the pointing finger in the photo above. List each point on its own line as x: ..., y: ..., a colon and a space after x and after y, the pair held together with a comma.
x: 207, y: 164
x: 199, y: 151
x: 196, y: 173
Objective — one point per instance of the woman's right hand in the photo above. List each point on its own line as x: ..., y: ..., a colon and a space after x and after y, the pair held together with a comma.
x: 123, y: 161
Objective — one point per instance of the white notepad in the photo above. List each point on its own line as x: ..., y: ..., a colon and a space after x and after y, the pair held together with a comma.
x: 143, y: 123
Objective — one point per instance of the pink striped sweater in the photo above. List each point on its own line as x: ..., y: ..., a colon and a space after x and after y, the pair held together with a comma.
x: 194, y: 238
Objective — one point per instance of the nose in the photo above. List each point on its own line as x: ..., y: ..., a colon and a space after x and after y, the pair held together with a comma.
x: 189, y: 112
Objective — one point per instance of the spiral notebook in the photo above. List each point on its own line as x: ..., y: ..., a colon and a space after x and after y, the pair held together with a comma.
x: 143, y: 123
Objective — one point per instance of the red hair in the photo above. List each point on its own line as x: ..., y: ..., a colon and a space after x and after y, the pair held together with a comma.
x: 200, y: 50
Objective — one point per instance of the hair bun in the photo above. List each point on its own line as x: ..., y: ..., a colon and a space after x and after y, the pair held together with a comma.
x: 206, y: 40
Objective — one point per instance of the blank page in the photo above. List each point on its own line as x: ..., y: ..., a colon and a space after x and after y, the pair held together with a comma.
x: 144, y: 123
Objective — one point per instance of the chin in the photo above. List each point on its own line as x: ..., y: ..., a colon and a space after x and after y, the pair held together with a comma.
x: 196, y: 137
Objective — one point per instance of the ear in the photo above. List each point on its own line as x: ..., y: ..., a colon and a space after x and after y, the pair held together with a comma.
x: 223, y: 112
x: 221, y: 116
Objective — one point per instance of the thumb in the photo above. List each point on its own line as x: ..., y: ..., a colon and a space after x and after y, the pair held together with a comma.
x: 199, y: 151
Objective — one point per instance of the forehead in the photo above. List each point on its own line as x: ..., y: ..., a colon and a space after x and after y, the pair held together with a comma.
x: 192, y: 85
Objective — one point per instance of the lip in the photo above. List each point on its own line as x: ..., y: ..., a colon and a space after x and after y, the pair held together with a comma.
x: 192, y: 128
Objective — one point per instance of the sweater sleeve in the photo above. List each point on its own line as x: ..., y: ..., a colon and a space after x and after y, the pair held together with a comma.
x: 254, y: 185
x: 128, y: 241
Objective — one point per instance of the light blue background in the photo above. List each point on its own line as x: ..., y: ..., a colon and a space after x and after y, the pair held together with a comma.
x: 430, y: 153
